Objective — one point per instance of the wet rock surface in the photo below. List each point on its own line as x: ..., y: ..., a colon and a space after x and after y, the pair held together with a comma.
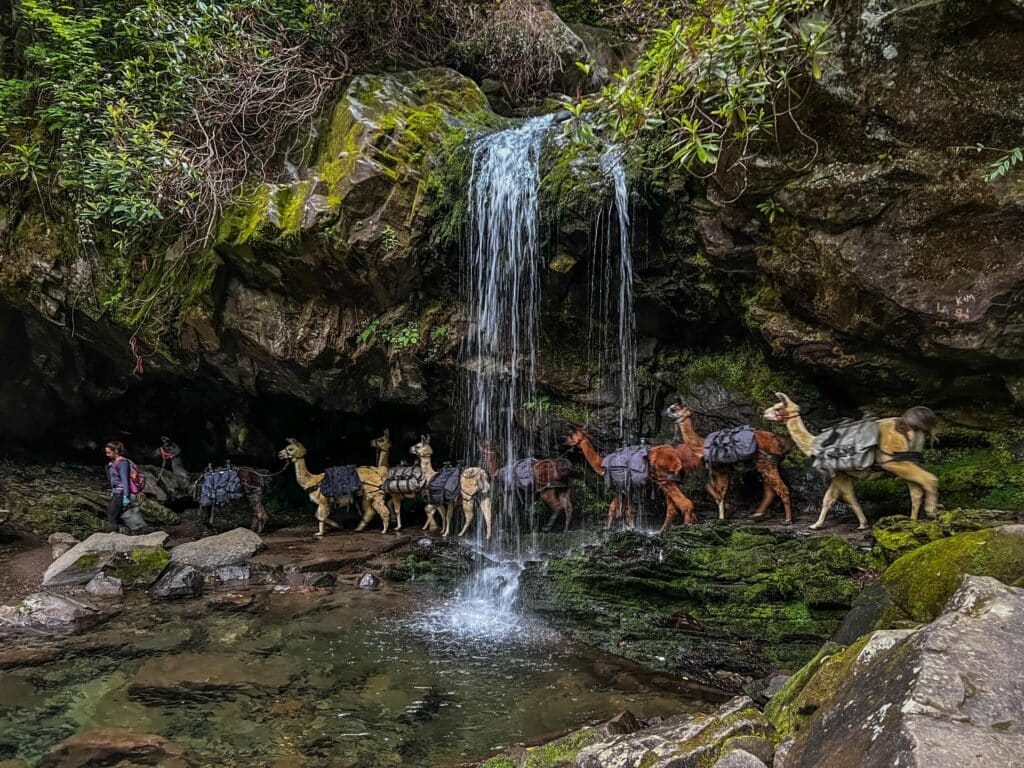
x: 176, y: 582
x: 948, y: 694
x: 718, y: 604
x: 117, y: 746
x: 206, y: 677
x: 44, y: 612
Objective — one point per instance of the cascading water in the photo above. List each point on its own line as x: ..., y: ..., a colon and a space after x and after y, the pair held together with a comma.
x: 614, y: 168
x: 503, y: 296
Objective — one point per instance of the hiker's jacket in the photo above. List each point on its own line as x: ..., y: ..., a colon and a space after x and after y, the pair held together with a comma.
x: 117, y: 472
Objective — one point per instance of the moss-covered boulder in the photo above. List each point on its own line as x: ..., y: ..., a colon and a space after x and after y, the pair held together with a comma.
x: 917, y: 586
x: 897, y: 536
x: 136, y: 560
x: 560, y: 753
x: 714, y: 602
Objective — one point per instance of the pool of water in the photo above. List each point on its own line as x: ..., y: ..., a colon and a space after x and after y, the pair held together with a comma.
x: 352, y: 679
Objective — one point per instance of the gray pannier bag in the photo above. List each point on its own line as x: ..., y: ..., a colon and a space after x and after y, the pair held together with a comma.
x: 444, y: 487
x: 848, y: 446
x: 405, y: 480
x: 518, y: 475
x: 730, y: 446
x: 626, y: 468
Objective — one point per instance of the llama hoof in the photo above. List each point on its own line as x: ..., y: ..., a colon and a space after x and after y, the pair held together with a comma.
x: 787, y: 522
x: 863, y: 527
x: 757, y: 516
x: 318, y: 535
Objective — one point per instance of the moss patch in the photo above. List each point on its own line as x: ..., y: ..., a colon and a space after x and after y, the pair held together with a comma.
x: 811, y: 687
x: 140, y: 567
x: 921, y: 582
x: 703, y: 598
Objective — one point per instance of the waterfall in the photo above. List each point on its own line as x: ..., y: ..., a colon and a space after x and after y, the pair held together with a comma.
x: 503, y: 295
x: 613, y: 166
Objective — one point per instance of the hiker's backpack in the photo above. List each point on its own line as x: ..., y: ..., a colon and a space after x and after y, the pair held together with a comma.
x: 219, y: 487
x: 340, y: 481
x: 626, y: 468
x: 518, y: 475
x: 136, y: 480
x: 848, y: 446
x: 730, y: 446
x: 444, y: 487
x: 404, y: 480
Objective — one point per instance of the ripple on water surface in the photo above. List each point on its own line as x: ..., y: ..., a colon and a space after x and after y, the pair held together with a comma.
x: 366, y: 680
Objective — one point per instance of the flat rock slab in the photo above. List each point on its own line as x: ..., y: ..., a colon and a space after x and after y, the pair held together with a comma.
x: 297, y: 550
x: 207, y: 677
x: 231, y: 548
x: 949, y: 695
x: 83, y: 561
x: 117, y: 746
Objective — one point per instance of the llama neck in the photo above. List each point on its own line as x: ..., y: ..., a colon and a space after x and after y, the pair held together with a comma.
x: 592, y: 456
x: 689, y: 435
x: 382, y: 458
x: 490, y: 461
x: 427, y: 466
x: 801, y: 436
x: 304, y: 477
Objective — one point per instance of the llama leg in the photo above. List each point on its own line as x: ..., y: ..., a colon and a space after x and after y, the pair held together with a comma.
x: 774, y: 486
x: 846, y: 490
x: 259, y: 516
x: 566, y: 499
x: 431, y: 522
x: 679, y: 500
x: 916, y: 496
x: 485, y: 509
x: 551, y: 500
x: 671, y: 512
x: 468, y: 510
x: 369, y: 507
x: 630, y: 512
x: 831, y: 494
x: 613, y: 511
x: 913, y: 473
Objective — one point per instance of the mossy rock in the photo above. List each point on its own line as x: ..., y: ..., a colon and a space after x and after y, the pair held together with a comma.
x: 138, y: 568
x: 704, y: 598
x: 560, y: 753
x: 811, y: 687
x: 921, y: 582
x: 896, y: 536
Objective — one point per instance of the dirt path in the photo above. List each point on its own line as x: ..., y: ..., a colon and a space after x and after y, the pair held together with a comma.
x: 22, y: 564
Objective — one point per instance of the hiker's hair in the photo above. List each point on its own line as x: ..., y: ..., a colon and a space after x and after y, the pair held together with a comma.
x: 116, y: 446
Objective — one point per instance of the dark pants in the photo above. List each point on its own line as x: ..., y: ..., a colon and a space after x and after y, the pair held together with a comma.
x: 114, y: 510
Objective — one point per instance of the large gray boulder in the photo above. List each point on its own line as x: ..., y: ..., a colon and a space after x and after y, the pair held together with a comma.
x: 83, y: 561
x: 679, y: 741
x: 45, y: 612
x: 949, y: 695
x: 176, y: 582
x: 231, y: 548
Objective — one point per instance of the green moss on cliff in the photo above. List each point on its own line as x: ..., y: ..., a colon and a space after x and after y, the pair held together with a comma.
x: 921, y: 582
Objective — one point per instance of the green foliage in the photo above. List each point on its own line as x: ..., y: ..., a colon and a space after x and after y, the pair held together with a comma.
x: 770, y: 209
x: 711, y: 90
x: 1002, y: 166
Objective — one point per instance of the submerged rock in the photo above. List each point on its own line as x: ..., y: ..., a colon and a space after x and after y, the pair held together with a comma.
x: 225, y: 549
x: 137, y: 558
x: 206, y: 677
x: 948, y: 695
x: 117, y: 746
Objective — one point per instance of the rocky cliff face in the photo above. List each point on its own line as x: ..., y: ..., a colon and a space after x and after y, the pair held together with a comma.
x: 890, y: 271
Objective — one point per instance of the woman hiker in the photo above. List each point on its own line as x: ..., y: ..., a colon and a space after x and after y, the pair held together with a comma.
x: 120, y: 490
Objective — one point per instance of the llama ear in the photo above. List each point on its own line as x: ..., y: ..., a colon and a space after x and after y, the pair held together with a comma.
x: 387, y: 434
x: 784, y: 398
x: 292, y: 441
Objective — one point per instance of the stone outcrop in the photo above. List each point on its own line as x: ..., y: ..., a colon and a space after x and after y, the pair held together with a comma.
x: 718, y: 604
x: 136, y: 560
x: 45, y: 612
x: 225, y: 549
x: 917, y: 586
x: 948, y: 694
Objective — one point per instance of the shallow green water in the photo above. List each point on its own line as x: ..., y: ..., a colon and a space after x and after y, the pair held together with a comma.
x: 350, y: 679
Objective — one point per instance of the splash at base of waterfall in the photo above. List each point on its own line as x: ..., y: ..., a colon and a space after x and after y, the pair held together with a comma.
x: 483, y: 609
